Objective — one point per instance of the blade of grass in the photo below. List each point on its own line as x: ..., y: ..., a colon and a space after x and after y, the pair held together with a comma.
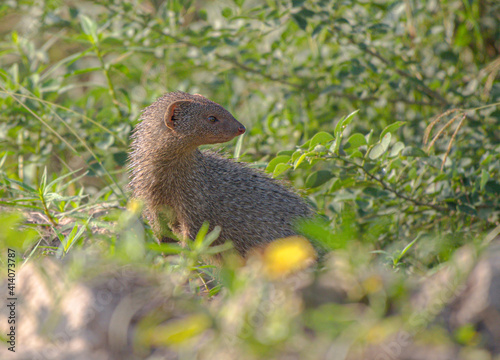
x: 83, y: 142
x: 14, y: 96
x: 84, y: 117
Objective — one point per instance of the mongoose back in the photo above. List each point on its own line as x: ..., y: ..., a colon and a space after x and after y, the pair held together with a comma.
x: 182, y: 187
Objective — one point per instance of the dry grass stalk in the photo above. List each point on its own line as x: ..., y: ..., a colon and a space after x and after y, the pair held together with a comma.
x: 451, y: 140
x: 434, y: 122
x: 441, y: 131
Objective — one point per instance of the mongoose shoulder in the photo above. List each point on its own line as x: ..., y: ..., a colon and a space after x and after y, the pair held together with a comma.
x: 178, y: 182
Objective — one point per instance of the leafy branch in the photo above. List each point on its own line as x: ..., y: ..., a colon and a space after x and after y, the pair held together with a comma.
x: 420, y: 85
x: 282, y: 79
x: 385, y: 186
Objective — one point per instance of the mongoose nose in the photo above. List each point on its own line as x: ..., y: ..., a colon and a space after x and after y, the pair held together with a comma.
x: 241, y: 130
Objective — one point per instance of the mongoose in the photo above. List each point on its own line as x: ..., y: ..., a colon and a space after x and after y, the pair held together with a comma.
x: 184, y: 186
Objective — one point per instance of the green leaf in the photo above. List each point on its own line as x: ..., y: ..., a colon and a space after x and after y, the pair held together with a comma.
x: 295, y: 155
x: 300, y: 21
x: 280, y: 168
x: 237, y: 148
x: 211, y: 237
x: 396, y: 149
x: 379, y: 149
x: 463, y: 36
x: 492, y: 187
x: 320, y: 138
x: 369, y: 138
x: 484, y: 179
x: 89, y: 27
x: 167, y: 248
x: 386, y: 141
x: 227, y: 12
x: 299, y: 161
x: 66, y: 61
x: 82, y: 71
x: 356, y: 140
x: 203, y: 14
x: 208, y: 49
x: 334, y: 148
x: 356, y: 154
x: 379, y: 28
x: 277, y: 160
x: 321, y: 234
x: 391, y: 128
x: 200, y: 236
x: 72, y: 238
x: 43, y: 181
x: 106, y: 143
x: 338, y: 127
x: 467, y: 209
x: 320, y: 149
x: 343, y: 123
x: 175, y: 332
x: 349, y: 118
x: 318, y: 178
x: 376, y: 152
x: 286, y: 152
x: 61, y: 178
x: 22, y: 185
x: 413, y: 151
x: 398, y: 258
x: 216, y: 249
x: 306, y: 12
x: 317, y: 30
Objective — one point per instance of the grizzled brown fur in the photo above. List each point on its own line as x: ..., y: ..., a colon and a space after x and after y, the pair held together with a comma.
x: 178, y: 182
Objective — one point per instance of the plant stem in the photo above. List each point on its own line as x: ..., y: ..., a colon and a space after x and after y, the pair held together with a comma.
x: 105, y: 70
x: 46, y: 210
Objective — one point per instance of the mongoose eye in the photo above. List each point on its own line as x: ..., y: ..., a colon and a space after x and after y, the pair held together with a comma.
x: 212, y: 119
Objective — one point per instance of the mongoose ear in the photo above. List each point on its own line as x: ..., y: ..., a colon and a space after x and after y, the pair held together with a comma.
x: 169, y: 118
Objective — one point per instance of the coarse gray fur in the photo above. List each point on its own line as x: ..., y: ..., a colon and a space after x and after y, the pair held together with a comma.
x: 182, y: 187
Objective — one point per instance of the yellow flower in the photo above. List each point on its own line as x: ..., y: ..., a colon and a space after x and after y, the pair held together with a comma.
x: 134, y: 207
x: 174, y: 332
x: 287, y: 255
x: 373, y: 284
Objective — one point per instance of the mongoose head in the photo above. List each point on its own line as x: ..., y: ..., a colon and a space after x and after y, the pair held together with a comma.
x: 201, y: 121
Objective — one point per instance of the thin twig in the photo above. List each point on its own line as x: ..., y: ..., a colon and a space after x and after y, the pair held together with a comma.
x: 423, y: 88
x: 390, y: 189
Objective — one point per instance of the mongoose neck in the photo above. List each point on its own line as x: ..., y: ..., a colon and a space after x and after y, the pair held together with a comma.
x: 175, y: 149
x: 161, y: 163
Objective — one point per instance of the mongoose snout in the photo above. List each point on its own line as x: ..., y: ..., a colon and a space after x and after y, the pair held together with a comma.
x: 241, y: 130
x: 182, y: 187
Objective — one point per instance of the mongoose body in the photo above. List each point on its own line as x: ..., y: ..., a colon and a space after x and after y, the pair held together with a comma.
x: 182, y: 187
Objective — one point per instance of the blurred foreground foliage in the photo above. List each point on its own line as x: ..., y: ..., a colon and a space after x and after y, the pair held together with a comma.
x: 384, y: 114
